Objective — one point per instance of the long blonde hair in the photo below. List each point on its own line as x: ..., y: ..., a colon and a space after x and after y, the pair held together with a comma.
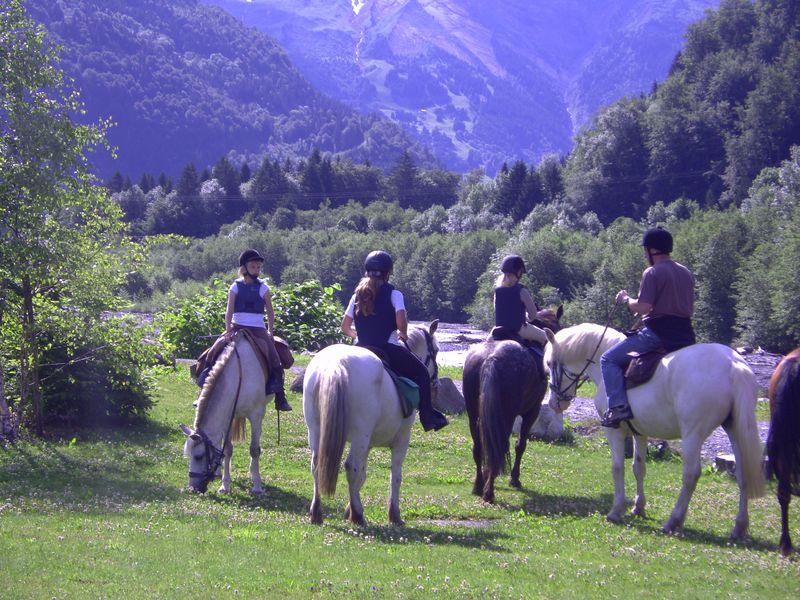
x: 366, y: 293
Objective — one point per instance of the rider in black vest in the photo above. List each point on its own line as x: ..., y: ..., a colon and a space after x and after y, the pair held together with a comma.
x: 249, y: 302
x: 378, y: 311
x: 513, y: 304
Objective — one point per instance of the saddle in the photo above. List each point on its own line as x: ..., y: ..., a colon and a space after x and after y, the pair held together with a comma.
x: 407, y: 390
x: 642, y: 366
x: 208, y: 357
x: 501, y: 333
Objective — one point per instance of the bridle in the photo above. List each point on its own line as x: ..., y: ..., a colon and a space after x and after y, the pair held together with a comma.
x: 213, y: 454
x: 559, y: 371
x: 430, y: 357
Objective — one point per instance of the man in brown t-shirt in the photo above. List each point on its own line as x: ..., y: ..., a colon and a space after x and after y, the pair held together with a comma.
x: 666, y: 304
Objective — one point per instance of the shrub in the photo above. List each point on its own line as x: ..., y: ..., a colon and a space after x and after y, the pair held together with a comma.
x: 306, y: 316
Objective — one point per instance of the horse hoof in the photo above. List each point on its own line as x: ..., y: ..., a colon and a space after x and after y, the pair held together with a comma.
x: 316, y: 519
x: 397, y: 522
x: 256, y: 491
x: 670, y: 529
x: 786, y: 550
x: 638, y: 512
x: 614, y: 518
x: 223, y: 490
x: 515, y: 483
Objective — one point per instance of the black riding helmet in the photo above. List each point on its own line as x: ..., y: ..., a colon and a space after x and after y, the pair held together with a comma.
x: 248, y: 255
x: 513, y: 264
x: 659, y: 239
x: 378, y: 261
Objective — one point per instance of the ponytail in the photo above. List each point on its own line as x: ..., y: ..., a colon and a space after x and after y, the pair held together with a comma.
x: 366, y: 292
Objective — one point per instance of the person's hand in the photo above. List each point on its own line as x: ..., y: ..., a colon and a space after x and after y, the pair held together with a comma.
x: 402, y: 335
x: 622, y: 297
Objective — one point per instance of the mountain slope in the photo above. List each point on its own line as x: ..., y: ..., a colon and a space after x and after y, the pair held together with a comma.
x: 186, y: 81
x: 480, y: 82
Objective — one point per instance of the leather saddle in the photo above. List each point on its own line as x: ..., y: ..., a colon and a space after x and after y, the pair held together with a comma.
x: 642, y: 366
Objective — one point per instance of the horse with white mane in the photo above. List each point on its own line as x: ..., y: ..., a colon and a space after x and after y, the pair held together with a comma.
x: 348, y: 395
x: 692, y: 392
x: 233, y: 390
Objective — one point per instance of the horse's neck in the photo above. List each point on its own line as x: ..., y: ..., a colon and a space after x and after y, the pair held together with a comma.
x: 217, y: 415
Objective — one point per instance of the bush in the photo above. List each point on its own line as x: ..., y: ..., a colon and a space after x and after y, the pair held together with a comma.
x: 306, y: 316
x: 101, y: 376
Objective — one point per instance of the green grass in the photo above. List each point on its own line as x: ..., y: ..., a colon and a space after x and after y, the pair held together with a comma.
x: 105, y: 514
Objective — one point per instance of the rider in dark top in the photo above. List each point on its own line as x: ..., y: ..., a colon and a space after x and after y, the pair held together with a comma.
x: 378, y: 311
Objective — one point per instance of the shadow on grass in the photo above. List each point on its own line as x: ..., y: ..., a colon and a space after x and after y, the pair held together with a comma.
x: 548, y: 504
x: 45, y: 469
x: 649, y: 525
x: 412, y: 534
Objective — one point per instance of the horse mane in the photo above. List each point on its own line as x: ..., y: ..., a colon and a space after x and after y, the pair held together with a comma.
x: 582, y: 340
x: 416, y: 340
x: 203, y: 401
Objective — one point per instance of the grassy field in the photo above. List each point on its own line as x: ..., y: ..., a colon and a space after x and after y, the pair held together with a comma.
x: 106, y: 515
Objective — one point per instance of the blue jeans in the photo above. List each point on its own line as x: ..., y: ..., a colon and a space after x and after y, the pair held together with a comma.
x: 616, y: 359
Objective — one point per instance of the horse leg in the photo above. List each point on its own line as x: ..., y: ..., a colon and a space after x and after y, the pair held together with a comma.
x: 784, y: 497
x: 255, y: 454
x: 488, y: 488
x: 227, y: 453
x: 691, y: 473
x: 356, y: 468
x: 519, y: 448
x: 316, y: 502
x: 616, y: 440
x: 477, y: 455
x: 742, y: 517
x: 639, y: 471
x: 399, y: 450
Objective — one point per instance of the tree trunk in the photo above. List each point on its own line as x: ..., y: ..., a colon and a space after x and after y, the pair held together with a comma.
x: 30, y: 382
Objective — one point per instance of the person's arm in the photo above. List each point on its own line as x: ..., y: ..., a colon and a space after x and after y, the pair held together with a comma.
x: 635, y: 306
x: 402, y: 324
x: 229, y: 312
x: 270, y: 312
x: 347, y: 326
x: 530, y: 305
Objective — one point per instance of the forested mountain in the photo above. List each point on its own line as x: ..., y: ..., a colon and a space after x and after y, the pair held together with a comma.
x: 184, y: 81
x: 729, y: 108
x: 479, y: 82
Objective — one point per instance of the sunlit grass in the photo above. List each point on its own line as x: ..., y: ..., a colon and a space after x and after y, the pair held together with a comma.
x: 105, y: 514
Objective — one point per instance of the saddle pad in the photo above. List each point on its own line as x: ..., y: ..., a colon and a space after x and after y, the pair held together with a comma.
x: 408, y: 392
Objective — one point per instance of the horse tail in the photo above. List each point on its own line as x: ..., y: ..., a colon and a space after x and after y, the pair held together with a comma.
x: 783, y: 440
x: 745, y: 431
x: 238, y: 429
x: 331, y: 393
x: 494, y: 429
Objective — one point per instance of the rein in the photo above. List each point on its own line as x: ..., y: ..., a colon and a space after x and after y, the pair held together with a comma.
x: 577, y: 380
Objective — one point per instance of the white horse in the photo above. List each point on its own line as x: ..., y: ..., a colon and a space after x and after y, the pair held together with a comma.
x: 233, y: 390
x: 692, y: 392
x: 347, y: 395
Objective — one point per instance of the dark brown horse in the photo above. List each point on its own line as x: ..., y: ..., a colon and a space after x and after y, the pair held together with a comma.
x: 783, y: 441
x: 501, y: 381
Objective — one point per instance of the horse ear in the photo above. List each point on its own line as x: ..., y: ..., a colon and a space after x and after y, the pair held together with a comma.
x: 560, y: 312
x: 433, y: 326
x: 550, y: 335
x: 188, y: 432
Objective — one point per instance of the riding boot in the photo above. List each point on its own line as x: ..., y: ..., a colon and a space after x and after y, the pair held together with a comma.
x: 275, y: 386
x: 431, y: 419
